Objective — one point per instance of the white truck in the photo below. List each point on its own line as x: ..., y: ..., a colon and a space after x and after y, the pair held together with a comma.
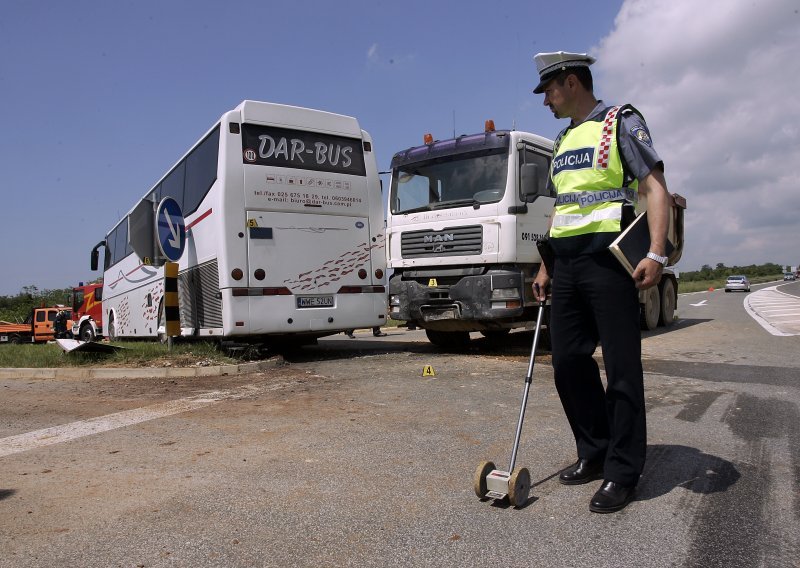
x: 463, y: 218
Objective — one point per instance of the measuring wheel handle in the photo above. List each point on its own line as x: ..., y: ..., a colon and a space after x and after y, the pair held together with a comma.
x: 479, y: 481
x: 519, y: 487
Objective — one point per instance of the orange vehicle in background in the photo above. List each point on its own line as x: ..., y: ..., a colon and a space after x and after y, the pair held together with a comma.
x: 82, y: 321
x: 41, y: 325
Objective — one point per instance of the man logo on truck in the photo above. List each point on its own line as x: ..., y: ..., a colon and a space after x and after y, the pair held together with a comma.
x: 442, y: 238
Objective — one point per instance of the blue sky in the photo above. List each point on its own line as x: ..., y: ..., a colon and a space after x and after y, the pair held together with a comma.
x: 101, y: 98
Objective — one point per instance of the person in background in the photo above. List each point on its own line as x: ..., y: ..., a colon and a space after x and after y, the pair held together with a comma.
x: 376, y: 331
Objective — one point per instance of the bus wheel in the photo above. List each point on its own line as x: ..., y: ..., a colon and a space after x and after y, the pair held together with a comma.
x: 112, y: 329
x: 87, y: 333
x: 667, y: 316
x: 650, y: 311
x: 448, y: 339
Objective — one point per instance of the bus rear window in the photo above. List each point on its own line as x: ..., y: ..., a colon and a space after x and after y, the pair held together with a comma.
x: 287, y: 148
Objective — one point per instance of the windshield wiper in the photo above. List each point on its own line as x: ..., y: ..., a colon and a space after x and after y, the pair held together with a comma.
x: 454, y: 203
x: 427, y: 207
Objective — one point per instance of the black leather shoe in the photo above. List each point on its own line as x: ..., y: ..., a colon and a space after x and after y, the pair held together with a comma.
x: 611, y: 497
x: 582, y: 471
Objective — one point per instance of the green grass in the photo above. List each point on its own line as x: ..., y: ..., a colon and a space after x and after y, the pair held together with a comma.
x: 719, y: 284
x: 132, y: 354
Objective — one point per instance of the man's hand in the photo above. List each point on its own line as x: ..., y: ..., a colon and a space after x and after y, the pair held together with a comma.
x: 647, y: 273
x: 540, y: 284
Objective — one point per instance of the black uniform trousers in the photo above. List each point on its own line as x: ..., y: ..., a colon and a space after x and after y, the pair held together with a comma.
x: 595, y: 300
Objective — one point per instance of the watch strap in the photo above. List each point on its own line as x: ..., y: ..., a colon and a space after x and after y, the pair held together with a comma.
x: 662, y: 260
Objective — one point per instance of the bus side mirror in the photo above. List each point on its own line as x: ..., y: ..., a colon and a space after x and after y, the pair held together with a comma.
x: 96, y: 254
x: 530, y: 183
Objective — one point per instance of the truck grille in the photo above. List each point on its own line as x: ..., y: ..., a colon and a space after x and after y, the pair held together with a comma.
x: 455, y: 241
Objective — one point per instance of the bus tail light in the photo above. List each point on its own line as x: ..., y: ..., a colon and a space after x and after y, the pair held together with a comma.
x: 237, y: 274
x: 379, y: 274
x: 362, y: 274
x: 281, y: 291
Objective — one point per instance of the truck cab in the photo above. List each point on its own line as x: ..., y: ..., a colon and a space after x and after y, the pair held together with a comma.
x: 38, y: 327
x: 86, y: 300
x: 463, y: 219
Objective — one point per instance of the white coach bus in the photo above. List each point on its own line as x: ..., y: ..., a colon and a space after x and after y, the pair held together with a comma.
x: 284, y: 233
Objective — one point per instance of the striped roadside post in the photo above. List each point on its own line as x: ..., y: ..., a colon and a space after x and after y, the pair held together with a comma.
x: 172, y: 315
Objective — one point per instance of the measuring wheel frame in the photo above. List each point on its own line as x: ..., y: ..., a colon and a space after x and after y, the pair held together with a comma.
x: 513, y: 484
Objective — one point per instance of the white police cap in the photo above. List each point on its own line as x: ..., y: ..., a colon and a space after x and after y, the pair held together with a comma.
x: 551, y: 64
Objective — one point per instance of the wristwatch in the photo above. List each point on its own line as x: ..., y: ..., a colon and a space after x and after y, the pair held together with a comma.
x: 662, y: 260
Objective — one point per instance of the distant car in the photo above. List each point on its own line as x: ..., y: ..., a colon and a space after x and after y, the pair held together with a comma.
x: 789, y: 276
x: 737, y: 283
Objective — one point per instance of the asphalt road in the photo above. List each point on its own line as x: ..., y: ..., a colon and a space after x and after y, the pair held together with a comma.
x: 345, y: 454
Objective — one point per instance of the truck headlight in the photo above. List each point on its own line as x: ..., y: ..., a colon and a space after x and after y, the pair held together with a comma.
x: 505, y: 294
x: 506, y: 299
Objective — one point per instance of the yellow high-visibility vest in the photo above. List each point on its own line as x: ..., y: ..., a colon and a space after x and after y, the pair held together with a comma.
x: 588, y: 174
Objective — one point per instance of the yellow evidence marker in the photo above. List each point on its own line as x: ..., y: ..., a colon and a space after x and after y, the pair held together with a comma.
x: 427, y: 371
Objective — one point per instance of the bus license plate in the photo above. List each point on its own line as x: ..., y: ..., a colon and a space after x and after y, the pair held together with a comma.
x: 315, y: 301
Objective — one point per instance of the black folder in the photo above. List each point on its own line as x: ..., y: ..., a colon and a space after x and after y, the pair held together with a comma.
x: 633, y: 244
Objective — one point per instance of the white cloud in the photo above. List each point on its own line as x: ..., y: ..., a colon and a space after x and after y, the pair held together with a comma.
x: 372, y: 54
x: 718, y: 83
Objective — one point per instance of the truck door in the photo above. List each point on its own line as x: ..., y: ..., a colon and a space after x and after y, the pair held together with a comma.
x: 43, y: 324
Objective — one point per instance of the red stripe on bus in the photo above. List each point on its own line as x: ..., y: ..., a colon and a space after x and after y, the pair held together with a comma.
x: 200, y: 218
x: 118, y: 280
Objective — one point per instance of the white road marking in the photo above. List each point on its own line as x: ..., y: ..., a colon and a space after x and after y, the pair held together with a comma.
x: 66, y: 432
x: 703, y: 303
x: 775, y: 311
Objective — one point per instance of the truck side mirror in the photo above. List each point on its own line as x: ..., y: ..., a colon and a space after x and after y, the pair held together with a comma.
x: 530, y: 182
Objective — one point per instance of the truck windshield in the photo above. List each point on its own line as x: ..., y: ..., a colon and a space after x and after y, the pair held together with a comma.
x: 450, y: 181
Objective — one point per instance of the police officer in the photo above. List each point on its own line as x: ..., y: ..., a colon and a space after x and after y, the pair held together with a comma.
x: 602, y: 162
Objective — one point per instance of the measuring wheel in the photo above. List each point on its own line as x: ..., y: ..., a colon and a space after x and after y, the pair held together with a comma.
x: 479, y: 481
x: 519, y: 487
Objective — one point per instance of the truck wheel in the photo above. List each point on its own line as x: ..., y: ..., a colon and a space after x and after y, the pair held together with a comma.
x: 87, y: 333
x: 15, y: 340
x: 448, y: 339
x: 667, y: 290
x: 650, y: 310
